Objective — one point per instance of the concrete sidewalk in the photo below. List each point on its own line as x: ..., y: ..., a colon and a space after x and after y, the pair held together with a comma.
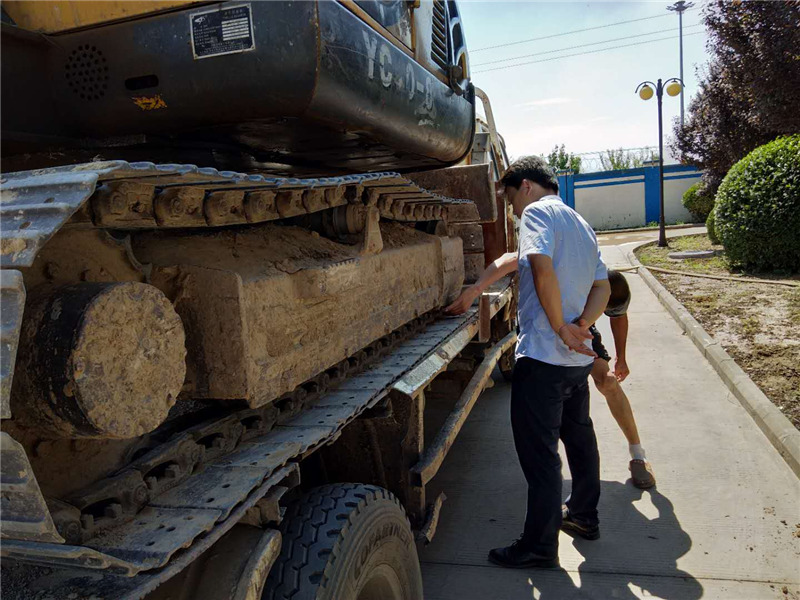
x: 723, y: 522
x: 627, y: 237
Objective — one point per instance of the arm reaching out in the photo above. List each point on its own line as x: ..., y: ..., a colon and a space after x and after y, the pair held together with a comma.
x: 549, y: 293
x: 494, y: 272
x: 619, y: 329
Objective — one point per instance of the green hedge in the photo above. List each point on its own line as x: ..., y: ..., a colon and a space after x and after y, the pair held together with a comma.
x: 697, y: 202
x: 712, y: 232
x: 757, y: 213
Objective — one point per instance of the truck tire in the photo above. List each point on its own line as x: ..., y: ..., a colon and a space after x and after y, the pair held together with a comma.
x: 346, y: 542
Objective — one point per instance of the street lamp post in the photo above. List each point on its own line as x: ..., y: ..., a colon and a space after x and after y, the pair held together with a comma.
x: 673, y: 87
x: 679, y: 7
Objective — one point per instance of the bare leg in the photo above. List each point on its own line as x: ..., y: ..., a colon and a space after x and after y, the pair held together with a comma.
x: 641, y: 472
x: 618, y: 403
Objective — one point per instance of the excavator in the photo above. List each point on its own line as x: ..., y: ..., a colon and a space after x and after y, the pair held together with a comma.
x: 228, y: 231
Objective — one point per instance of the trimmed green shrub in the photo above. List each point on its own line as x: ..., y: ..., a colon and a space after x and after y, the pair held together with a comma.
x: 697, y: 202
x: 712, y: 233
x: 757, y: 212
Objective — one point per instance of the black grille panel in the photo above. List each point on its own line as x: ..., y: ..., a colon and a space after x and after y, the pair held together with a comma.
x: 86, y: 72
x: 439, y: 34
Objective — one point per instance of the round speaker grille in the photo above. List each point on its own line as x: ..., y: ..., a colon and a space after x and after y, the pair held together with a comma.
x: 86, y: 72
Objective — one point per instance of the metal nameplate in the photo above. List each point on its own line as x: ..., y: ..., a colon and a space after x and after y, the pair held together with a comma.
x: 224, y: 30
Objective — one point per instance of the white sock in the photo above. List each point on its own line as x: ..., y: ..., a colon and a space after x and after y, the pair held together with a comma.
x: 637, y: 452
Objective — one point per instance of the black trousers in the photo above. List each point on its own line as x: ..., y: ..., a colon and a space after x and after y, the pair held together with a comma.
x: 548, y: 403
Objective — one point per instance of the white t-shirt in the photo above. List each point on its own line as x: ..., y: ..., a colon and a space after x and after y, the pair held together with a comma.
x: 552, y: 228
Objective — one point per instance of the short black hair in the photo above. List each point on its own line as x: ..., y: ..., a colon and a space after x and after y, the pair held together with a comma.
x: 620, y: 294
x: 533, y: 168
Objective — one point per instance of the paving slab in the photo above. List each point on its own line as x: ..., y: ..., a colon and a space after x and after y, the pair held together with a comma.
x: 723, y: 521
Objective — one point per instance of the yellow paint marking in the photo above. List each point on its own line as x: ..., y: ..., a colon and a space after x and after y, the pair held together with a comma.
x: 150, y: 102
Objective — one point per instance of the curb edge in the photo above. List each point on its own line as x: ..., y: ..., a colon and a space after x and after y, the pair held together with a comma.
x: 646, y: 229
x: 773, y: 423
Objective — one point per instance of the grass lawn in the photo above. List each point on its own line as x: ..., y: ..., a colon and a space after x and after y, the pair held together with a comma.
x: 654, y: 256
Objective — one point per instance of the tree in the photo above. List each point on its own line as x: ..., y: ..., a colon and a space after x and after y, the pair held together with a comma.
x: 561, y: 160
x: 612, y: 160
x: 757, y: 213
x: 748, y: 94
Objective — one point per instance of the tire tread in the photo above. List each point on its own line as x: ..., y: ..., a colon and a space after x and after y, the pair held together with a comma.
x: 313, y: 529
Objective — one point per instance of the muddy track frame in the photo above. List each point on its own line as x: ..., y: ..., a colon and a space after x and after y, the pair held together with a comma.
x: 173, y: 500
x: 118, y: 557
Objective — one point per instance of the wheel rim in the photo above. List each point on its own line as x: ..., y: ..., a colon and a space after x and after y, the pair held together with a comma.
x: 382, y: 584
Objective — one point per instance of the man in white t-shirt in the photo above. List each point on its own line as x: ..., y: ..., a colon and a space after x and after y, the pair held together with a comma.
x: 562, y: 280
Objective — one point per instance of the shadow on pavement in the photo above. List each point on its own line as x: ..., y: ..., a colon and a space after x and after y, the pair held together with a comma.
x: 636, y: 556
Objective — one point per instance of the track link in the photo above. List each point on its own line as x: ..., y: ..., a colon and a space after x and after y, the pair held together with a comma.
x: 144, y: 534
x: 121, y: 195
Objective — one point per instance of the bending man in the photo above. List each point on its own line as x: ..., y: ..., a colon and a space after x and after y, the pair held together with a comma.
x: 606, y: 381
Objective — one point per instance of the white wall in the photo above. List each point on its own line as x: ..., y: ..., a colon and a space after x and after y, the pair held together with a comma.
x: 617, y: 200
x: 612, y: 206
x: 674, y: 210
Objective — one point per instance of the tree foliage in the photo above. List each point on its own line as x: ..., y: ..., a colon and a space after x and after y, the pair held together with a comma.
x: 697, y: 202
x: 711, y: 228
x: 748, y: 93
x: 612, y: 160
x: 757, y: 213
x: 561, y: 160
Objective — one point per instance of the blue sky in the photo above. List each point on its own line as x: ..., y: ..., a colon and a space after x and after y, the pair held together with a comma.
x: 585, y: 102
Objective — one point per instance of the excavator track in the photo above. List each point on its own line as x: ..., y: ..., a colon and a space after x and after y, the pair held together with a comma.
x: 118, y: 195
x: 232, y: 463
x: 121, y: 195
x: 144, y: 523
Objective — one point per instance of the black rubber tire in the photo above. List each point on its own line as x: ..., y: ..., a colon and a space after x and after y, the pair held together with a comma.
x: 346, y: 542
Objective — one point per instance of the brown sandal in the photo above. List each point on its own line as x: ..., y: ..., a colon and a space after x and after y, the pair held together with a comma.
x: 642, y: 474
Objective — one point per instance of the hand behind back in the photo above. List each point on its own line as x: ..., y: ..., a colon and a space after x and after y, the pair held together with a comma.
x: 574, y: 335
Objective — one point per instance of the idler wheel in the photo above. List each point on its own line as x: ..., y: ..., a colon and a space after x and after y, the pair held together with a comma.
x: 99, y: 360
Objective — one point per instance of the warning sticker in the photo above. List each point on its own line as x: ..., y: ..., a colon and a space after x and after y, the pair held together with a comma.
x: 222, y: 31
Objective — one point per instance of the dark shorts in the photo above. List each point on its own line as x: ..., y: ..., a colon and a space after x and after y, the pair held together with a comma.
x: 597, y: 344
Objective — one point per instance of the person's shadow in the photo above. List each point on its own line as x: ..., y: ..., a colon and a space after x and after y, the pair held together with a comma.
x: 637, y: 552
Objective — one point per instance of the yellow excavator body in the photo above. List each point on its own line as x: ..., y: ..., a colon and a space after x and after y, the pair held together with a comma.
x: 55, y: 16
